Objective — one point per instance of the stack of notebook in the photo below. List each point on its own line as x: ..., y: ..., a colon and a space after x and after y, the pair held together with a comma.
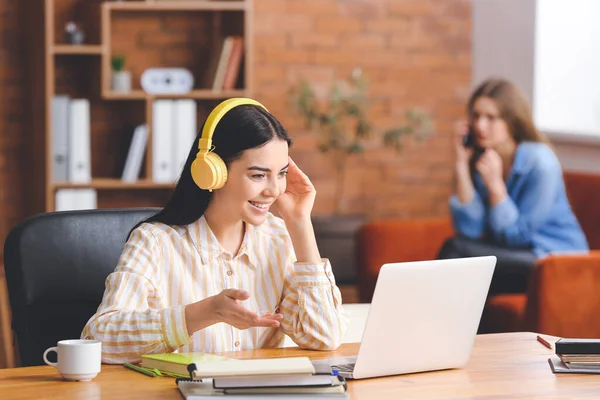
x: 282, y: 378
x: 579, y: 356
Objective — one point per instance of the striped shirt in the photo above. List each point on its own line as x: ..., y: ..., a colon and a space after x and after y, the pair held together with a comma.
x: 163, y: 268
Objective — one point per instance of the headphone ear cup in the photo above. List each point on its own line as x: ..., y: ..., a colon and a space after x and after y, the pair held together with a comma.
x: 209, y: 172
x: 219, y: 170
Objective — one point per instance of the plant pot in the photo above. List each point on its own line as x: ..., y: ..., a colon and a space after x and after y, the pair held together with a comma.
x: 121, y: 81
x: 336, y: 240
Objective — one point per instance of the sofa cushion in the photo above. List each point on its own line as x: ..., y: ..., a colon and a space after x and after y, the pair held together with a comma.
x: 583, y: 191
x: 503, y: 313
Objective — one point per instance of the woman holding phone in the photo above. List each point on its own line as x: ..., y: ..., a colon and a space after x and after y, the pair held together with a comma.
x: 510, y: 199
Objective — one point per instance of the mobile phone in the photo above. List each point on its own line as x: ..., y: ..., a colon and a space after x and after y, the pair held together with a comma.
x: 469, y: 143
x: 469, y: 138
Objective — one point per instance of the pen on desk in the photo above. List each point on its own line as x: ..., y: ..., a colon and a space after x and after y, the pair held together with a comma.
x: 140, y: 369
x: 544, y: 342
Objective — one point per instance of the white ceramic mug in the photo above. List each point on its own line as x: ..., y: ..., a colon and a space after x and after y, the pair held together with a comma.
x: 77, y: 359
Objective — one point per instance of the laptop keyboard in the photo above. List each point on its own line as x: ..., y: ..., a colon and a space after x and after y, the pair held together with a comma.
x: 344, y: 367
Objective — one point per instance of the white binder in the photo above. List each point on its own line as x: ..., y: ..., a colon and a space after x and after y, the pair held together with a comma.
x: 60, y: 138
x: 184, y: 133
x: 79, y: 159
x: 75, y: 199
x: 162, y: 149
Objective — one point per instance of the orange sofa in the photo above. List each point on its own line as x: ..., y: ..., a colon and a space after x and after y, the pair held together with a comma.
x: 563, y: 298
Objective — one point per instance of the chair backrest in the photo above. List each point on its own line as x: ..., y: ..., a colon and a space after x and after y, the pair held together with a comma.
x: 56, y: 265
x: 583, y: 190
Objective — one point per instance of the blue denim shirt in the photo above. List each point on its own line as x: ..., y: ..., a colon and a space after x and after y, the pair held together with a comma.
x: 536, y: 214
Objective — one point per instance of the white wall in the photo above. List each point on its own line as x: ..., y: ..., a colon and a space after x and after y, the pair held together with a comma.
x: 503, y: 41
x: 551, y: 49
x: 567, y: 66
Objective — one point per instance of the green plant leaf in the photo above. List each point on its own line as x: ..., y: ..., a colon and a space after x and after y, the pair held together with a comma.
x: 340, y: 119
x: 363, y: 128
x: 323, y: 148
x: 117, y: 63
x: 355, y: 148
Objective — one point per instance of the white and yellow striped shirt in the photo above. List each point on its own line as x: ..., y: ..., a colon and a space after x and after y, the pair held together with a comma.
x: 163, y: 268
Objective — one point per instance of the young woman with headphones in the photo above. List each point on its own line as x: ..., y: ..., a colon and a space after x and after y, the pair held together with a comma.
x: 214, y: 270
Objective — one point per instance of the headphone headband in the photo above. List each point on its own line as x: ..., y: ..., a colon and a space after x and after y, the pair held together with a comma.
x: 208, y: 170
x: 205, y: 142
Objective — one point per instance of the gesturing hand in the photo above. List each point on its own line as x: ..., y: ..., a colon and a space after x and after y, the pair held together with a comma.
x: 297, y: 201
x: 228, y: 308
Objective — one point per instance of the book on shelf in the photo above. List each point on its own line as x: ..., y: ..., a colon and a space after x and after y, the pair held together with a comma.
x: 135, y: 155
x: 176, y: 363
x: 234, y: 62
x: 224, y: 63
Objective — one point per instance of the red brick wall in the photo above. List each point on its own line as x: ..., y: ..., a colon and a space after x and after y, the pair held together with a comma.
x: 414, y: 52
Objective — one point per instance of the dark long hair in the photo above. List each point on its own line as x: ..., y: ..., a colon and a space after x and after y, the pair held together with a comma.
x: 241, y: 128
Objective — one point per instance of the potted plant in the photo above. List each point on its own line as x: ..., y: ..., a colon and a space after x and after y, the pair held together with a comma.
x: 121, y: 79
x: 340, y: 122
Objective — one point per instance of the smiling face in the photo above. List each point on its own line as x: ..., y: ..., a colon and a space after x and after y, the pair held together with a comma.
x: 254, y: 182
x: 491, y: 131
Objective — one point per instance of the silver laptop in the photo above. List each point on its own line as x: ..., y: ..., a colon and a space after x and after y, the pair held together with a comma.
x: 423, y: 317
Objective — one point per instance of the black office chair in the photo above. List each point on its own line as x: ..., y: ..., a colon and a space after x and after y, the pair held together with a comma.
x: 56, y: 265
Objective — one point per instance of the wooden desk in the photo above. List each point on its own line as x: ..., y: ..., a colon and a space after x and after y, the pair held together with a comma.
x: 507, y: 365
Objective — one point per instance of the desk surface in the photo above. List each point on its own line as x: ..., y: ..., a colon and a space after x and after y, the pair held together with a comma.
x: 507, y: 365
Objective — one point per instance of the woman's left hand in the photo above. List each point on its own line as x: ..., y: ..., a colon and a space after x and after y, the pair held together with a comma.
x: 296, y: 203
x: 489, y: 166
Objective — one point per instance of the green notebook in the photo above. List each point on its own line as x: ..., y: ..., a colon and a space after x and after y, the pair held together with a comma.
x: 177, y: 363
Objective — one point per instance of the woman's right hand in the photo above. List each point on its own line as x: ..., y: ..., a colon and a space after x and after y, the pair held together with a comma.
x: 463, y: 154
x: 464, y: 185
x: 228, y: 309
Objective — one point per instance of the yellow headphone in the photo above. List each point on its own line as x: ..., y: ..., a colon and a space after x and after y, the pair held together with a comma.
x: 208, y: 169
